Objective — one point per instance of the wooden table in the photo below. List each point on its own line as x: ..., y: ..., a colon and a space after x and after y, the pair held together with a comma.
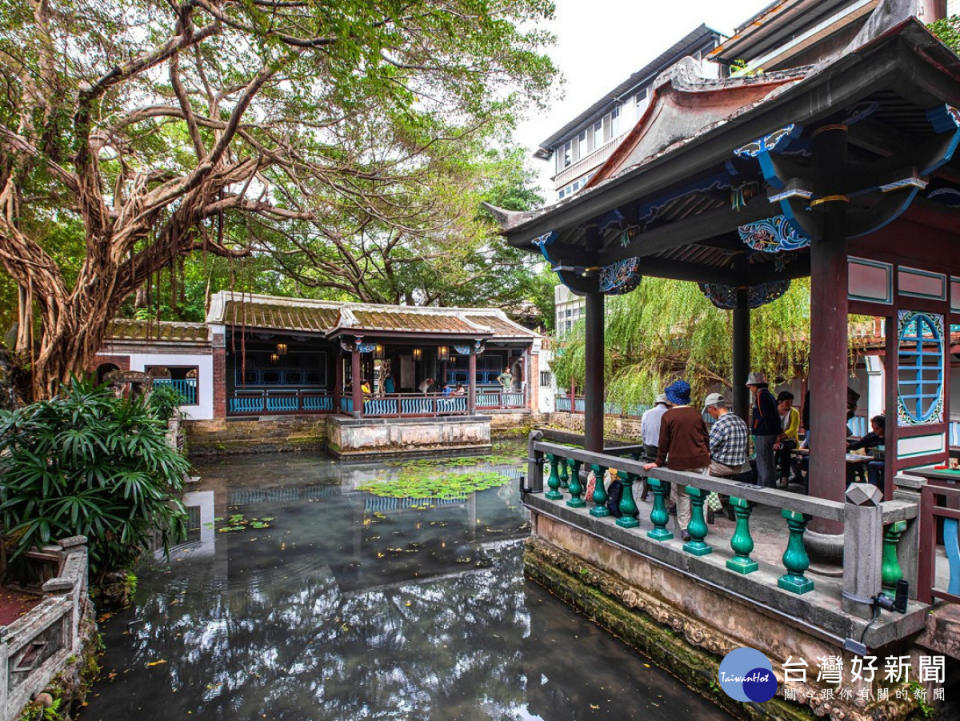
x: 936, y: 474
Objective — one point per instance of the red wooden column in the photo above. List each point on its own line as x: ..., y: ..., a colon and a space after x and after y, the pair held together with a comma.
x: 337, y: 381
x: 357, y: 380
x: 828, y: 330
x: 593, y: 386
x: 472, y: 380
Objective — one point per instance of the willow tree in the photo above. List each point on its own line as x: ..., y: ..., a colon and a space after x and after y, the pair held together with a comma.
x: 143, y: 125
x: 667, y: 329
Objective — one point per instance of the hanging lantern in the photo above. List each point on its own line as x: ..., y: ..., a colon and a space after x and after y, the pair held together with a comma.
x: 378, y: 352
x: 274, y: 358
x: 417, y: 353
x: 443, y: 352
x: 281, y: 348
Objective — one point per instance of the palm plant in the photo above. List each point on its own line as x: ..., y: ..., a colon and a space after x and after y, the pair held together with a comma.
x: 88, y: 463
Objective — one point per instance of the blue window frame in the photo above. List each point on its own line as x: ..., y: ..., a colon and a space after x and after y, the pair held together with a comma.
x: 920, y: 368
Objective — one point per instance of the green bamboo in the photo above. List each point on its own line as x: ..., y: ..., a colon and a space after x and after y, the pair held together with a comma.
x: 628, y: 507
x: 599, y: 493
x: 554, y: 480
x: 575, y: 488
x: 795, y: 557
x: 659, y: 516
x: 742, y: 542
x: 698, y: 526
x: 890, y: 571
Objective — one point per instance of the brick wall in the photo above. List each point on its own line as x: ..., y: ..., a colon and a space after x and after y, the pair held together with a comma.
x: 120, y: 361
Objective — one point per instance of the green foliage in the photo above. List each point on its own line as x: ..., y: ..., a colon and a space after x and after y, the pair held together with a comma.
x: 88, y: 463
x: 666, y: 329
x: 164, y: 401
x: 426, y: 478
x: 948, y: 30
x: 341, y: 147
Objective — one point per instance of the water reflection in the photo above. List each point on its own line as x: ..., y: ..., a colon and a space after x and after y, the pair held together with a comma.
x: 348, y: 606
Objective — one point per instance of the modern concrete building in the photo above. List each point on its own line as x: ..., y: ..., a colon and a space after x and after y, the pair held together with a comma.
x: 581, y: 145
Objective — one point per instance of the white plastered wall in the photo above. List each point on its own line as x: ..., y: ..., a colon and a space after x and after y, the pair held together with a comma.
x: 204, y: 362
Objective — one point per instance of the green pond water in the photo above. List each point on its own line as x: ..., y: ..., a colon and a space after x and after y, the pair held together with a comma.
x: 299, y: 596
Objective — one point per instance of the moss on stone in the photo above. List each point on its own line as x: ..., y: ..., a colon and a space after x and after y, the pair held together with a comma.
x: 696, y: 668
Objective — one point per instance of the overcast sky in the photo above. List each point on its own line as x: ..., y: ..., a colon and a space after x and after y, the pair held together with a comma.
x: 600, y: 42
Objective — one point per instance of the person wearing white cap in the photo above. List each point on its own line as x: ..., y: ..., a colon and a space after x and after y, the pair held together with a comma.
x: 650, y: 432
x: 650, y: 425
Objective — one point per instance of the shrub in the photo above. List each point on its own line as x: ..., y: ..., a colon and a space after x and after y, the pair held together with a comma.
x: 88, y: 463
x: 164, y: 401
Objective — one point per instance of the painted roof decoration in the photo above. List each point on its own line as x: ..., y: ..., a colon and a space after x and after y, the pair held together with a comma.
x: 122, y: 329
x: 341, y: 318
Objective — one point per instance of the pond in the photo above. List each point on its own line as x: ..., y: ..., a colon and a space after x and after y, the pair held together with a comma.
x: 301, y: 597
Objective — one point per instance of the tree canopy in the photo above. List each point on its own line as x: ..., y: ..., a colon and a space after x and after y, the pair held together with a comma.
x: 667, y: 329
x: 343, y: 134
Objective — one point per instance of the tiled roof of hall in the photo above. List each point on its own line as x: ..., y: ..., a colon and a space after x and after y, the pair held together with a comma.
x: 343, y: 317
x: 126, y: 329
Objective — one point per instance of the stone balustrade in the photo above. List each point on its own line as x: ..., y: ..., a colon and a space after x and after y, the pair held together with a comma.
x: 879, y: 536
x: 35, y: 647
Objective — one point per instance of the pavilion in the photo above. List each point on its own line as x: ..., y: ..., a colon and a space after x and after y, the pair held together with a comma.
x: 843, y: 172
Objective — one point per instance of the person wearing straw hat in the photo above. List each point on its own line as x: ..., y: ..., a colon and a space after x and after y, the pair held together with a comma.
x: 683, y: 446
x: 765, y: 426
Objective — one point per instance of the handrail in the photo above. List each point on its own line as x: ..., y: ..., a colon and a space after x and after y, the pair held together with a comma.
x: 817, y: 507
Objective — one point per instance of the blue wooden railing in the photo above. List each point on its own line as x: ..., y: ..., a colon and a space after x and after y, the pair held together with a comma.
x: 186, y: 387
x: 294, y: 400
x: 499, y: 399
x: 562, y: 404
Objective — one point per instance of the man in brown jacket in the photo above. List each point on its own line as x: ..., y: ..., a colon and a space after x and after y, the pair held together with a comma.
x: 684, y: 446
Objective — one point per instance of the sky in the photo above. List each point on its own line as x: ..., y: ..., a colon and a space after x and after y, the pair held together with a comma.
x: 600, y: 42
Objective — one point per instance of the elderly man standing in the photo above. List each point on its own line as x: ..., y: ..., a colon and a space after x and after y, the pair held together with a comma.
x: 765, y: 424
x: 683, y: 446
x: 650, y: 432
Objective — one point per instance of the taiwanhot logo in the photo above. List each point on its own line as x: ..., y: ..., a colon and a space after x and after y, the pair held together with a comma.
x: 746, y: 675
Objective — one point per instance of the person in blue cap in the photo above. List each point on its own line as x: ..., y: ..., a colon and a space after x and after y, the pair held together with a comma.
x: 683, y: 446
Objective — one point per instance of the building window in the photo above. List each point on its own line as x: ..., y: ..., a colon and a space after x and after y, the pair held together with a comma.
x: 182, y: 379
x: 545, y: 379
x: 582, y: 148
x: 567, y: 153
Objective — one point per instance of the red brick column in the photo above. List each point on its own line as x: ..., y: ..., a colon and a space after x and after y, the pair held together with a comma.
x: 120, y: 361
x: 219, y: 382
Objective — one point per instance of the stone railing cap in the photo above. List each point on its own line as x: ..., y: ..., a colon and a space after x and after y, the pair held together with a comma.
x: 903, y: 480
x: 57, y: 585
x: 863, y: 494
x: 72, y: 541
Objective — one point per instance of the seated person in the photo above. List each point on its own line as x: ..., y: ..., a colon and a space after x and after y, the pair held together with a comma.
x: 873, y: 439
x: 728, y: 438
x: 365, y: 388
x: 788, y: 439
x: 459, y: 390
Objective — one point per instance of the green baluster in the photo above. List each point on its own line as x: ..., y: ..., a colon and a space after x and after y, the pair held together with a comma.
x: 742, y: 543
x: 795, y: 557
x: 575, y: 488
x: 659, y: 514
x: 628, y: 507
x: 564, y: 478
x: 890, y: 571
x: 599, y: 493
x: 698, y: 526
x: 554, y: 481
